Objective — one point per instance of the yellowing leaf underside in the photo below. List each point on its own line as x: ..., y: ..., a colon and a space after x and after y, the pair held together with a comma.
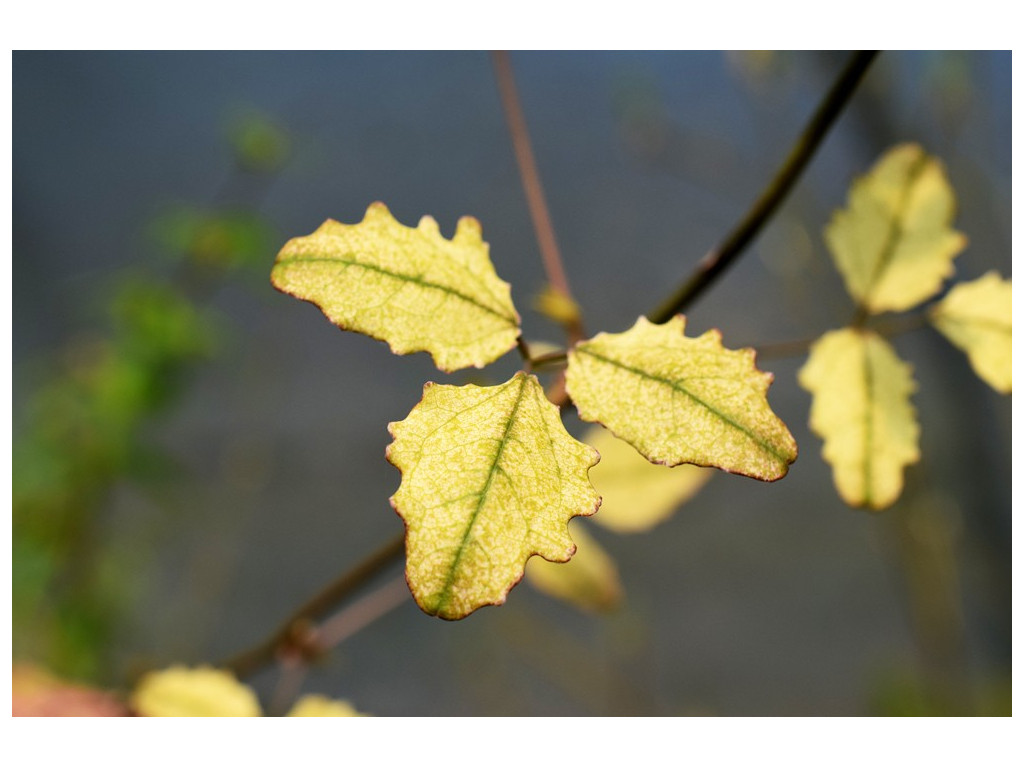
x: 861, y: 408
x: 893, y: 244
x: 407, y: 286
x: 489, y: 478
x: 637, y: 495
x: 590, y: 580
x: 681, y: 400
x: 977, y: 317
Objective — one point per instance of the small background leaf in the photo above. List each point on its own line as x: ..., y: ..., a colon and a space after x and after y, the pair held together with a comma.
x: 589, y: 581
x: 861, y: 407
x: 409, y: 287
x: 893, y: 244
x: 489, y: 478
x: 680, y: 400
x: 637, y: 495
x: 201, y: 692
x: 556, y: 306
x: 977, y: 317
x: 315, y: 705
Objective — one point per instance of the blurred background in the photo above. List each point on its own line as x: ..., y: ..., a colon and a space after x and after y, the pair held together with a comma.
x: 195, y: 454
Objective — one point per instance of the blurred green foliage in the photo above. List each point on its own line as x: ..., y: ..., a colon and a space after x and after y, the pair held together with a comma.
x: 82, y: 430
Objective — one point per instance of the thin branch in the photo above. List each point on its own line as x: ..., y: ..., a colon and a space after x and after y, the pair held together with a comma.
x: 293, y: 671
x: 531, y: 184
x: 524, y: 352
x: 783, y: 349
x: 717, y: 260
x: 897, y: 326
x: 361, y: 614
x: 294, y: 667
x: 886, y: 327
x: 296, y: 629
x: 550, y: 358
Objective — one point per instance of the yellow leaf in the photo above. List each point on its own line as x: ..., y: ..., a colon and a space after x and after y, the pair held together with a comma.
x: 314, y: 705
x: 200, y: 692
x: 861, y: 408
x: 894, y: 244
x: 636, y: 495
x: 407, y: 286
x: 681, y: 400
x: 589, y: 581
x: 557, y: 306
x: 489, y: 478
x: 978, y: 318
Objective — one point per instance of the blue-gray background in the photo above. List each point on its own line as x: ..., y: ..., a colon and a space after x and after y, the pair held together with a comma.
x: 753, y: 599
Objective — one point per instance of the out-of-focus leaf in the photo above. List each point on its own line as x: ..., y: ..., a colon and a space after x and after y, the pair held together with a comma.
x: 199, y: 692
x: 978, y: 318
x: 489, y: 478
x: 556, y: 306
x: 409, y: 287
x: 681, y: 400
x: 894, y: 244
x: 37, y: 693
x: 589, y: 581
x: 155, y: 322
x: 260, y: 144
x: 861, y: 408
x: 314, y: 705
x: 637, y: 495
x: 214, y: 239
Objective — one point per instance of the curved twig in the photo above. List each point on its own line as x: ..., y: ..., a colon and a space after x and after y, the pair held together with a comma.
x: 720, y: 258
x: 297, y: 626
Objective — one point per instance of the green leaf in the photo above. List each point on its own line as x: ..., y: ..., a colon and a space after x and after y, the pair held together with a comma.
x: 260, y: 144
x: 861, y: 408
x: 489, y: 478
x: 977, y: 317
x: 681, y: 400
x: 637, y: 495
x: 894, y: 244
x: 200, y: 692
x: 411, y: 288
x: 589, y: 581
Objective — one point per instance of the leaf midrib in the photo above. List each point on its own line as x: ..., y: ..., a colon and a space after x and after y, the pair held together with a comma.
x: 869, y: 426
x: 445, y: 595
x: 673, y: 385
x: 895, y: 233
x: 398, y: 276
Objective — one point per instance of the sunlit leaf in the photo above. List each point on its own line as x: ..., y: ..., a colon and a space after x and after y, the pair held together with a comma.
x: 407, y: 286
x: 489, y: 478
x: 636, y: 495
x: 199, y: 692
x: 978, y: 318
x: 861, y: 408
x: 589, y: 581
x: 314, y: 705
x: 681, y: 400
x: 894, y: 244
